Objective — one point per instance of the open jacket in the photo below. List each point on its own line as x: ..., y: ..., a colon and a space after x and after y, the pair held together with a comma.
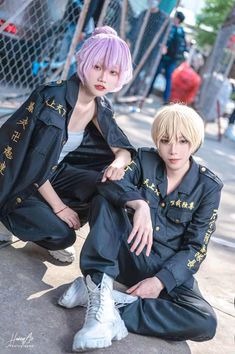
x: 183, y: 221
x: 32, y: 138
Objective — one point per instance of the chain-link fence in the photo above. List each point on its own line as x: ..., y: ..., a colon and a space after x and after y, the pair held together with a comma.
x: 38, y: 38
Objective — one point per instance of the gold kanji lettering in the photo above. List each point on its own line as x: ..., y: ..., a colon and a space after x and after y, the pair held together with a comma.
x: 30, y: 107
x: 191, y: 205
x: 8, y: 152
x: 2, y: 167
x: 152, y: 187
x: 157, y: 192
x: 191, y: 263
x: 172, y: 202
x: 203, y: 249
x: 178, y: 203
x: 51, y: 104
x: 199, y: 257
x: 23, y: 122
x: 15, y: 136
x: 61, y: 110
x: 146, y: 182
x: 185, y: 205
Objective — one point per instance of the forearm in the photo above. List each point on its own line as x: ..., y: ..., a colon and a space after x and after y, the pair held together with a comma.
x: 50, y: 195
x: 137, y: 204
x: 122, y: 157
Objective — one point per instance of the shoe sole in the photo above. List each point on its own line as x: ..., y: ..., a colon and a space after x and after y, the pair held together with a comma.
x: 102, y: 343
x: 62, y: 258
x: 6, y: 238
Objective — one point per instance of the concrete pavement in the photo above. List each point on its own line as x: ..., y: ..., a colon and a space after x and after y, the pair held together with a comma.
x: 31, y: 280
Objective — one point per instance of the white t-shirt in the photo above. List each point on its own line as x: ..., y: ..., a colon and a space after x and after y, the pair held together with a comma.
x: 74, y: 140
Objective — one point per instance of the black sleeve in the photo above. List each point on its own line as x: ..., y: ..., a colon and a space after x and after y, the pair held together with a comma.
x: 186, y: 262
x: 120, y: 192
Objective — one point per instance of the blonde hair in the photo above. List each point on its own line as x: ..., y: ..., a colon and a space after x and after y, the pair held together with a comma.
x: 174, y: 120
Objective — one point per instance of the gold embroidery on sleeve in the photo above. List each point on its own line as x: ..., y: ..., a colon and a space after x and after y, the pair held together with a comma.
x: 23, y: 122
x: 15, y: 136
x: 30, y: 107
x: 8, y: 152
x: 201, y: 254
x: 2, y: 167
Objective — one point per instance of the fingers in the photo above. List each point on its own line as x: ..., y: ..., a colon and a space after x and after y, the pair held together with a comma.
x: 71, y: 218
x: 149, y: 243
x: 113, y: 174
x: 133, y: 288
x: 143, y: 237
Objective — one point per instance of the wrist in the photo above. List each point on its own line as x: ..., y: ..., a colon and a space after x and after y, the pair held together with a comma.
x: 160, y: 283
x: 58, y: 207
x: 137, y: 204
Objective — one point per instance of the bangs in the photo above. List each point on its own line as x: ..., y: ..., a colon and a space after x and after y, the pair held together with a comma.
x: 110, y: 52
x: 177, y: 120
x: 178, y: 127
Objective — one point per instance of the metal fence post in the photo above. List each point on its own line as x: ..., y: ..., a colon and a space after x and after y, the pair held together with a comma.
x: 75, y: 39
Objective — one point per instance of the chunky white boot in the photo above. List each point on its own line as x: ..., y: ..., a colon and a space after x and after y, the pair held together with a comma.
x: 103, y: 322
x: 5, y: 234
x: 77, y: 295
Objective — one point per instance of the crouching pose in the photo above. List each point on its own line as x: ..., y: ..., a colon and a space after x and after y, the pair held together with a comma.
x: 150, y: 231
x: 53, y: 148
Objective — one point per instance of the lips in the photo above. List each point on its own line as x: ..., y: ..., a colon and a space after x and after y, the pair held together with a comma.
x: 100, y: 87
x: 174, y: 161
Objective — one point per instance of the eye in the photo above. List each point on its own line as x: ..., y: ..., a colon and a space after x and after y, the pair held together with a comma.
x: 97, y: 67
x: 164, y: 141
x: 183, y: 141
x: 114, y: 72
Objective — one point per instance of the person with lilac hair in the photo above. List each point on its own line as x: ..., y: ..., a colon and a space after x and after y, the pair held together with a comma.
x: 57, y: 144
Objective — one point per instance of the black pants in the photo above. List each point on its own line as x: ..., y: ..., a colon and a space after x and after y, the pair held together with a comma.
x: 35, y: 221
x: 179, y: 315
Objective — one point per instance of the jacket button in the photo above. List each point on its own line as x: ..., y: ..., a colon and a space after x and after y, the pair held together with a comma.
x: 203, y: 169
x: 163, y: 205
x: 177, y: 221
x: 157, y: 228
x: 54, y: 168
x: 147, y: 201
x: 63, y: 142
x: 36, y: 185
x: 18, y: 200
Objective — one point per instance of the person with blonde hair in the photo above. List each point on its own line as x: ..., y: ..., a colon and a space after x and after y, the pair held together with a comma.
x: 150, y: 231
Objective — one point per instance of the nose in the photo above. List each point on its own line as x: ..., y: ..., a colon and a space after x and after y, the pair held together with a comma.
x: 173, y: 149
x: 103, y: 75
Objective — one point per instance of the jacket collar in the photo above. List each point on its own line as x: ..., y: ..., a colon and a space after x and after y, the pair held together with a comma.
x: 72, y: 91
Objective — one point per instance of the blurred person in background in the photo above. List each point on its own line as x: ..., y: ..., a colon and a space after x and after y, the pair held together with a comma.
x: 173, y: 54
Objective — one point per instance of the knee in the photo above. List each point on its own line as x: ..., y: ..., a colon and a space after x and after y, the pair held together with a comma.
x: 99, y: 202
x: 60, y: 243
x: 206, y: 328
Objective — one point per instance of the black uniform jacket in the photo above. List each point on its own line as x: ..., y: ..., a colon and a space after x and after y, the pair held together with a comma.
x: 183, y: 221
x: 32, y: 139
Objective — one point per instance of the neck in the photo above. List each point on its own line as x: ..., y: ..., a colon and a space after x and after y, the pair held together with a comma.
x: 84, y: 96
x: 177, y: 175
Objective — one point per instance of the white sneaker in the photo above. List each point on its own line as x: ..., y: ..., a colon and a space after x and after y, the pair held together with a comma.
x: 77, y: 295
x: 66, y: 255
x: 103, y: 322
x: 5, y: 234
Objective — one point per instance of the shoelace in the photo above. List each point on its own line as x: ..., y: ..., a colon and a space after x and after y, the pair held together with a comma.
x: 93, y: 303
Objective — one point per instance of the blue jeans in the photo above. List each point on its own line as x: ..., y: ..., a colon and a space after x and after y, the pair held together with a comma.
x: 169, y: 66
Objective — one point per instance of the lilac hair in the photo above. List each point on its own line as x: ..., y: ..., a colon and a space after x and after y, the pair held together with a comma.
x: 106, y: 48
